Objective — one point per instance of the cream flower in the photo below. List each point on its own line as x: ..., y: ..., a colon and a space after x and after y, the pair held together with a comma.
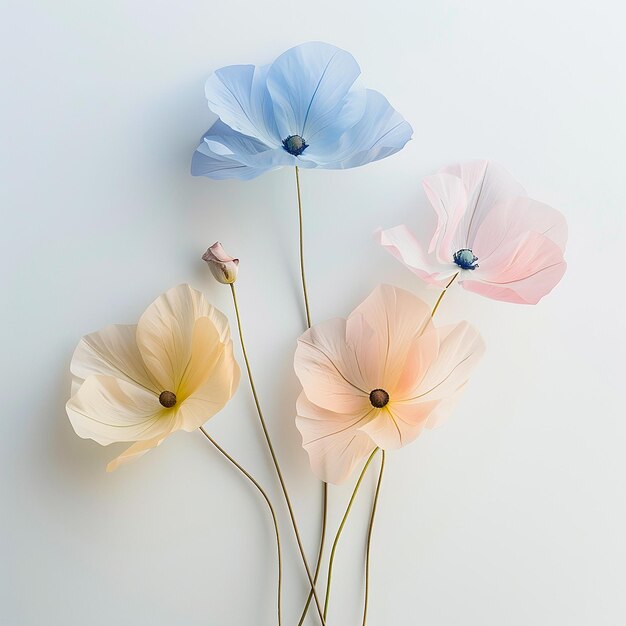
x: 172, y: 371
x: 377, y: 379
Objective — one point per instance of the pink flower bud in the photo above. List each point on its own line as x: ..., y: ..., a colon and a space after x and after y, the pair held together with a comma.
x: 222, y: 266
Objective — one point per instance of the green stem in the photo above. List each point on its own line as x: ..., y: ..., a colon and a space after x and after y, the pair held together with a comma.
x: 270, y: 506
x: 441, y: 295
x: 320, y: 553
x: 340, y: 530
x: 369, y: 537
x: 301, y: 230
x: 275, y: 458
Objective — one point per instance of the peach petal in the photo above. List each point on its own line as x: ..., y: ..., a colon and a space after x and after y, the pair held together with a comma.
x: 328, y: 369
x: 135, y: 451
x: 333, y: 441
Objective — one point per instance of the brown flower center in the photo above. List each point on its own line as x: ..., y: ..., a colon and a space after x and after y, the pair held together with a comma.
x: 379, y: 398
x: 167, y: 399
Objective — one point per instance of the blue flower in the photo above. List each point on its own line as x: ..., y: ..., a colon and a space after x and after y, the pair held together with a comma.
x: 302, y: 110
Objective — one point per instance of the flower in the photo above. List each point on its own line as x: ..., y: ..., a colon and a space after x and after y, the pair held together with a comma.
x: 223, y: 267
x: 173, y: 370
x: 303, y: 109
x: 377, y: 378
x: 490, y: 236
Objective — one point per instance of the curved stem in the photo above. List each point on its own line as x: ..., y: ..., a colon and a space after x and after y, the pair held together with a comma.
x: 302, y: 273
x: 270, y: 506
x: 369, y: 537
x: 275, y: 458
x: 441, y: 295
x: 339, y: 531
x: 320, y: 553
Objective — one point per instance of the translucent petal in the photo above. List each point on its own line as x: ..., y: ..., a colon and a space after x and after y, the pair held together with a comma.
x: 109, y: 410
x: 332, y: 440
x: 307, y: 85
x: 238, y: 95
x: 380, y: 132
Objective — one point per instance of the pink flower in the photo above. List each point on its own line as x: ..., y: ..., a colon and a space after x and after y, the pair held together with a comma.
x: 223, y: 267
x: 499, y: 242
x: 377, y: 378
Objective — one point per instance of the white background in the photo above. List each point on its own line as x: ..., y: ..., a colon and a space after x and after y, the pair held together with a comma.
x: 510, y: 514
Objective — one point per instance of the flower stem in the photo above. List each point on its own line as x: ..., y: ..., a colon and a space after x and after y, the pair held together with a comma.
x: 275, y: 458
x: 271, y: 508
x: 340, y: 530
x: 320, y: 553
x: 302, y: 272
x: 441, y: 295
x: 369, y: 537
x: 308, y: 324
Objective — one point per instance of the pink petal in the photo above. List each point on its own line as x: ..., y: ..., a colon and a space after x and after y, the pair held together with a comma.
x: 509, y: 220
x: 523, y: 271
x: 486, y: 184
x: 333, y: 442
x: 448, y: 197
x: 402, y: 244
x: 328, y: 369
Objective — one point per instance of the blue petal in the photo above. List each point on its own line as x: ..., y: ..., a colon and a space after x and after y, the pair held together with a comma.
x: 308, y: 85
x: 238, y: 95
x: 381, y: 132
x: 225, y: 153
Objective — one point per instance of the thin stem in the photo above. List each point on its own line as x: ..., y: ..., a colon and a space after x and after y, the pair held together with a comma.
x: 270, y: 506
x: 275, y: 458
x: 302, y: 272
x: 369, y: 537
x: 340, y: 530
x: 441, y: 295
x: 320, y: 553
x: 308, y: 324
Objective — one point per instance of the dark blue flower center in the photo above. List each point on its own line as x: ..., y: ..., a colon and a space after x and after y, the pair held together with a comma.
x: 294, y: 144
x: 465, y: 259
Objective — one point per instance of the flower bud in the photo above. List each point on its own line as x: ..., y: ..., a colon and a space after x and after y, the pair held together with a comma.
x: 222, y: 266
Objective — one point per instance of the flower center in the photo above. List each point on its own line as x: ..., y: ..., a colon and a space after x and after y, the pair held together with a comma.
x: 294, y: 144
x: 167, y: 399
x: 465, y: 259
x: 379, y: 398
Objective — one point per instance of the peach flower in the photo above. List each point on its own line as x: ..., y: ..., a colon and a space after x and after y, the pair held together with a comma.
x: 377, y: 379
x: 499, y: 242
x: 172, y: 371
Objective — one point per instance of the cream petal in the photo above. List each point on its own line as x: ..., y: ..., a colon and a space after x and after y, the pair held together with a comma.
x: 206, y: 351
x: 165, y: 333
x: 109, y: 410
x: 138, y: 449
x: 328, y: 369
x: 396, y: 317
x: 333, y: 441
x: 111, y: 351
x: 460, y: 348
x: 213, y: 394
